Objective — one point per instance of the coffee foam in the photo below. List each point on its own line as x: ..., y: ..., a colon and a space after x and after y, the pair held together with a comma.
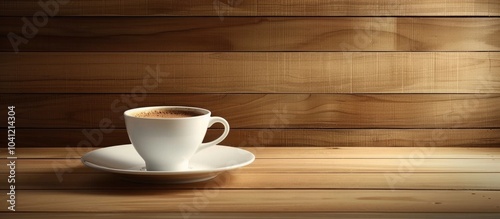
x: 165, y: 114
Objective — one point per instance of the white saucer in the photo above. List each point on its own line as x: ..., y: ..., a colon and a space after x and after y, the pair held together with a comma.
x: 206, y: 164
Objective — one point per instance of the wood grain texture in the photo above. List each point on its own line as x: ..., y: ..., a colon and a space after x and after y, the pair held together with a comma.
x: 255, y: 72
x: 260, y: 201
x: 244, y: 215
x: 282, y: 137
x: 257, y: 34
x: 267, y: 110
x: 301, y: 152
x: 350, y: 106
x: 258, y: 8
x: 304, y: 166
x: 242, y: 180
x: 447, y: 180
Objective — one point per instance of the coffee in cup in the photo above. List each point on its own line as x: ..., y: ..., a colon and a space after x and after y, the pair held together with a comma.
x: 166, y: 113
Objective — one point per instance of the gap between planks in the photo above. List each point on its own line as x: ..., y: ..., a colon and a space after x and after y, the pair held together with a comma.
x: 303, y: 152
x: 259, y: 201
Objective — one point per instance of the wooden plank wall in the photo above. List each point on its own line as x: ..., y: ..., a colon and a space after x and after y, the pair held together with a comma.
x: 387, y: 73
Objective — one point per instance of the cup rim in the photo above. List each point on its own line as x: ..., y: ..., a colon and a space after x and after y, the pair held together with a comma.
x: 203, y: 112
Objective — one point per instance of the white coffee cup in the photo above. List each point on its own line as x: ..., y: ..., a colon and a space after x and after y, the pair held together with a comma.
x: 166, y: 137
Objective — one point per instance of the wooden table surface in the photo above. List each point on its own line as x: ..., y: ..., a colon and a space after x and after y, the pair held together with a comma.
x: 288, y: 182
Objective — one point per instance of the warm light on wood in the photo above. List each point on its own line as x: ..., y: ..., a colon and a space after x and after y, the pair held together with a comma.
x: 352, y: 108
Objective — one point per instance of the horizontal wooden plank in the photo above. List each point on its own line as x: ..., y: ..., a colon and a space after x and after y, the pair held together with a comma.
x: 302, y: 152
x: 420, y: 164
x: 245, y: 215
x: 258, y: 201
x: 410, y: 163
x: 259, y: 8
x: 245, y: 72
x: 268, y: 110
x: 253, y: 34
x: 242, y: 180
x: 280, y: 137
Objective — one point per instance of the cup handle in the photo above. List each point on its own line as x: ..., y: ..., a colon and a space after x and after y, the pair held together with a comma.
x: 212, y: 121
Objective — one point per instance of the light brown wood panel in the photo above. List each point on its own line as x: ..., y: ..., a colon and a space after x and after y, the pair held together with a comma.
x: 244, y: 215
x: 242, y: 180
x: 267, y: 110
x: 369, y: 94
x: 251, y: 72
x: 283, y: 137
x: 296, y: 215
x: 407, y: 164
x: 302, y: 152
x: 422, y: 190
x: 224, y: 8
x: 255, y: 34
x: 260, y: 201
